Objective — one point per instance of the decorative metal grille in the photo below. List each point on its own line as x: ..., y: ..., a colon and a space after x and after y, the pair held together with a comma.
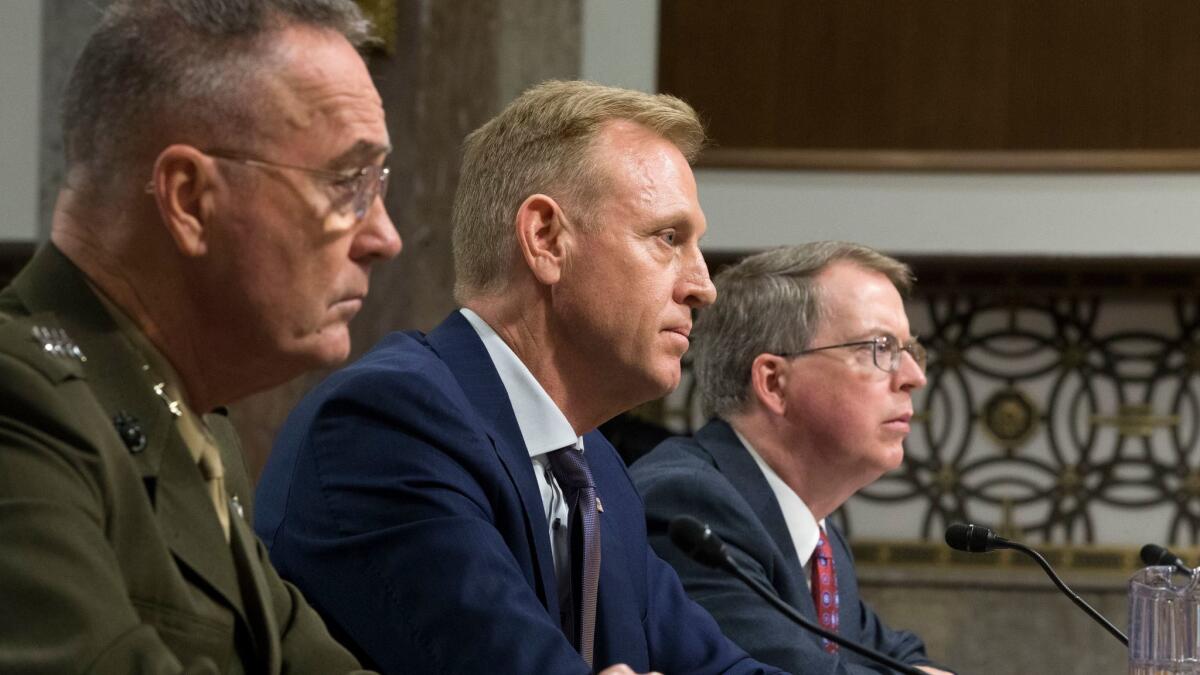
x: 1040, y: 416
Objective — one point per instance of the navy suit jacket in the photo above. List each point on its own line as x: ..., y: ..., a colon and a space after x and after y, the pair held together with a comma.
x: 713, y: 477
x: 401, y: 498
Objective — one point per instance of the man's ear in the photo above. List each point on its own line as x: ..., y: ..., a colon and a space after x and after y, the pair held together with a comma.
x: 768, y: 382
x: 543, y: 236
x: 182, y: 188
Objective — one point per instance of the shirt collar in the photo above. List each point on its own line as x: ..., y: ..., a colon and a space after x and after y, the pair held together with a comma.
x: 544, y: 427
x: 802, y: 526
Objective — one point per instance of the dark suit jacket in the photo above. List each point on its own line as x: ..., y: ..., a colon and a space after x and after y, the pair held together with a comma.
x: 713, y: 477
x: 111, y: 556
x: 401, y: 497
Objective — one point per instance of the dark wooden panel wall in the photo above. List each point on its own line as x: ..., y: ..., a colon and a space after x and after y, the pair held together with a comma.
x: 925, y: 75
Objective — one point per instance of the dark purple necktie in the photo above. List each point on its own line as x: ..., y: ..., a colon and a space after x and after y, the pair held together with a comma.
x: 571, y: 471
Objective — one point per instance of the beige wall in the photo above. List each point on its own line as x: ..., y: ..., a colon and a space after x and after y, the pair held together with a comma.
x: 20, y: 80
x: 983, y: 622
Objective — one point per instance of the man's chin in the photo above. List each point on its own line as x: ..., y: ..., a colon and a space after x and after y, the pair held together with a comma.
x: 664, y: 381
x: 329, y: 347
x: 893, y: 458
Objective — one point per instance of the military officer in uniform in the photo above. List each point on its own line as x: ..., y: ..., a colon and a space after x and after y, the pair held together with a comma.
x: 220, y: 213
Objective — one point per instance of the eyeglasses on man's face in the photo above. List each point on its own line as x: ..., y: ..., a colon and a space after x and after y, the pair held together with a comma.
x: 886, y: 351
x: 354, y: 191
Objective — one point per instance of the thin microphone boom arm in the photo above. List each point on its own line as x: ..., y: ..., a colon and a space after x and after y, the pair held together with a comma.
x: 777, y: 602
x: 703, y: 545
x: 1067, y: 591
x: 977, y: 539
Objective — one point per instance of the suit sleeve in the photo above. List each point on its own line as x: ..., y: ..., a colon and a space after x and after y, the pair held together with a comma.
x: 672, y: 488
x: 391, y: 533
x: 66, y: 606
x: 304, y: 640
x: 708, y: 650
x: 305, y: 643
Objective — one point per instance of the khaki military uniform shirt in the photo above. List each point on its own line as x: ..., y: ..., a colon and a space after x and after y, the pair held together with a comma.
x: 112, y: 558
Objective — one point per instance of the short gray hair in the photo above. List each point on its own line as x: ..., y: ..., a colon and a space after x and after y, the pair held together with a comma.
x: 157, y: 67
x: 541, y: 143
x: 770, y: 303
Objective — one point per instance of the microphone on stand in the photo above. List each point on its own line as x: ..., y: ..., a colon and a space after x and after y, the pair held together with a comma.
x: 1153, y: 554
x: 978, y: 539
x: 703, y: 545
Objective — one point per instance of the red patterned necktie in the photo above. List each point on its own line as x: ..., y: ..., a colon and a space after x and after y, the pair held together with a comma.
x: 824, y: 590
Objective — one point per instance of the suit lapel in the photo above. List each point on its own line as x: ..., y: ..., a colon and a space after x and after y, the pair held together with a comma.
x: 459, y: 346
x: 123, y: 383
x: 733, y: 460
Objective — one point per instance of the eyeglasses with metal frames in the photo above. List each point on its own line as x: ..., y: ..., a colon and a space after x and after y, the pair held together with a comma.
x: 885, y: 352
x: 361, y: 185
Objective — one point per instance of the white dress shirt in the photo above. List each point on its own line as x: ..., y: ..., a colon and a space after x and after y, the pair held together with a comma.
x: 544, y: 428
x: 802, y: 526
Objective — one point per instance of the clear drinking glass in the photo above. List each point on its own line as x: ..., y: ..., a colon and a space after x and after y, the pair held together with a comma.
x: 1163, y: 605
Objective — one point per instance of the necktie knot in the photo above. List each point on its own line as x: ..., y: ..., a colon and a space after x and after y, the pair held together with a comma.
x: 210, y: 464
x: 570, y: 468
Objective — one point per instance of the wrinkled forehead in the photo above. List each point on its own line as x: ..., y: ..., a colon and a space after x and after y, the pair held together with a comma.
x: 314, y: 89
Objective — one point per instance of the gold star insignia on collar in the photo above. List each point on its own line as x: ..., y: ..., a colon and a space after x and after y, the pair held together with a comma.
x: 172, y: 404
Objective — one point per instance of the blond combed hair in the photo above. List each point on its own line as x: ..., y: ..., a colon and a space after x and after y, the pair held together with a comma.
x: 541, y: 143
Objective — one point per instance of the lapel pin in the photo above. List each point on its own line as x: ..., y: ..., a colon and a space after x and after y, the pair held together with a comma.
x: 599, y: 505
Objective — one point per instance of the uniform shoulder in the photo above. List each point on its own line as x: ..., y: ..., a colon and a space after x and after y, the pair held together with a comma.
x: 40, y: 343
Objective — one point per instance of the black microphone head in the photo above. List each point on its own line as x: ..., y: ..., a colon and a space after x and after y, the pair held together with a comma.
x: 970, y: 538
x: 1153, y: 554
x: 698, y: 541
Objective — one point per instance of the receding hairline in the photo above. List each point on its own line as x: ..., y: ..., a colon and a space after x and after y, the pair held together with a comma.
x: 903, y: 285
x: 292, y: 67
x: 899, y: 278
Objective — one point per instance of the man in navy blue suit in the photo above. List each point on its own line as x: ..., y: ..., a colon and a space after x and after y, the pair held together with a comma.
x: 445, y: 501
x: 807, y: 361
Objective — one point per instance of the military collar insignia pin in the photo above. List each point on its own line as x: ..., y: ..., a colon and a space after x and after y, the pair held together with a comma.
x: 56, y: 342
x: 173, y: 404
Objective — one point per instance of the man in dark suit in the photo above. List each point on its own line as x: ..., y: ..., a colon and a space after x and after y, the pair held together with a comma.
x: 191, y: 263
x: 807, y: 362
x: 445, y: 501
